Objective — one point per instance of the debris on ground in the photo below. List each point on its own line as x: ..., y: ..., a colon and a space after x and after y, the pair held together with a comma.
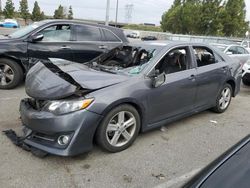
x: 213, y: 121
x: 163, y: 129
x: 159, y: 176
x: 127, y: 178
x: 86, y: 166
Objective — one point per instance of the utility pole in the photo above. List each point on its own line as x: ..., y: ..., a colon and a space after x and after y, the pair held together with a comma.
x: 107, y: 12
x: 0, y: 6
x: 116, y: 15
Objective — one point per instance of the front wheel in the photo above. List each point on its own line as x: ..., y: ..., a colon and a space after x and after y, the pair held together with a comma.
x: 224, y: 99
x: 11, y: 74
x: 119, y: 128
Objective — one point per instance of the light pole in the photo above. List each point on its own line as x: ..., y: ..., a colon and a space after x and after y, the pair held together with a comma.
x: 107, y: 13
x: 116, y: 15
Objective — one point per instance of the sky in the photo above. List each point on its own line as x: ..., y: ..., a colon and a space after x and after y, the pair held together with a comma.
x: 144, y: 11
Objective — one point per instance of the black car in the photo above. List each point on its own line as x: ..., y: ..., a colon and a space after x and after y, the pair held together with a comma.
x: 128, y: 90
x: 66, y: 39
x: 149, y: 38
x: 230, y: 170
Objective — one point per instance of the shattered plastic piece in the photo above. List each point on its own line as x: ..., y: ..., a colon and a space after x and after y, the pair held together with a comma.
x: 18, y: 141
x: 213, y: 121
x: 163, y: 129
x: 159, y: 176
x: 127, y: 178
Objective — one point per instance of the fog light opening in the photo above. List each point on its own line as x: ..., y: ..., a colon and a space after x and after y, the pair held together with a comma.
x: 63, y: 140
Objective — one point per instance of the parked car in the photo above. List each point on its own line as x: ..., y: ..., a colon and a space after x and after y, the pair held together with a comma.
x: 128, y: 90
x: 134, y: 34
x: 235, y: 51
x: 9, y: 23
x: 71, y: 40
x: 149, y: 38
x: 246, y: 74
x: 241, y: 54
x: 230, y: 170
x: 246, y: 44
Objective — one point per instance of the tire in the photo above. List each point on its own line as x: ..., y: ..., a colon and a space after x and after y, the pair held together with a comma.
x: 224, y: 99
x: 11, y: 74
x: 246, y: 81
x: 113, y: 140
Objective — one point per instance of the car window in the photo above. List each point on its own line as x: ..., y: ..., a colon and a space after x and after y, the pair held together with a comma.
x: 204, y: 56
x: 174, y: 61
x: 88, y: 33
x: 233, y: 50
x: 241, y: 50
x: 109, y: 36
x: 56, y: 33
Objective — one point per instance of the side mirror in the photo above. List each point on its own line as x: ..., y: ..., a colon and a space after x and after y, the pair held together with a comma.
x: 36, y: 38
x: 229, y: 53
x: 158, y: 79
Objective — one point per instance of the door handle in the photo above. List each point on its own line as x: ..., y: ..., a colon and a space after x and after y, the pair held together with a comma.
x: 65, y: 47
x: 192, y: 77
x: 103, y: 47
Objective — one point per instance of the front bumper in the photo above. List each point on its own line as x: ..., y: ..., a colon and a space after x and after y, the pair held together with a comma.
x: 46, y: 128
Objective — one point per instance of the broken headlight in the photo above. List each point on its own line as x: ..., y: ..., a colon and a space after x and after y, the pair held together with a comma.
x: 67, y: 106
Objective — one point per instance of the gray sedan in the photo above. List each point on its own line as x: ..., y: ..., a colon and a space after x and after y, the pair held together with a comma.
x: 128, y: 90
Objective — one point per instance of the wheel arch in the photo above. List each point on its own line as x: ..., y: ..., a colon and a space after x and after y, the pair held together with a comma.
x: 14, y: 59
x: 232, y: 83
x: 137, y: 105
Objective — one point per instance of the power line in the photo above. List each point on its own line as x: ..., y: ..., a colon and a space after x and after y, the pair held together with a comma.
x: 128, y: 12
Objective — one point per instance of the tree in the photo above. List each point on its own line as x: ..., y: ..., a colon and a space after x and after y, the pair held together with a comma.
x: 234, y: 23
x: 36, y: 13
x: 59, y: 13
x: 210, y: 19
x: 24, y: 10
x: 9, y: 9
x: 206, y: 17
x: 70, y: 13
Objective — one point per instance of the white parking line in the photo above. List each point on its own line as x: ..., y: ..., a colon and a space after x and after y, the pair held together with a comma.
x: 179, y: 180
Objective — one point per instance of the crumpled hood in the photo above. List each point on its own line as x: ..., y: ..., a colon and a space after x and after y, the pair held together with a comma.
x: 59, y: 79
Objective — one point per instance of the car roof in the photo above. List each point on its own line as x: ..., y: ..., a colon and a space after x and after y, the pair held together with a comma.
x: 115, y: 30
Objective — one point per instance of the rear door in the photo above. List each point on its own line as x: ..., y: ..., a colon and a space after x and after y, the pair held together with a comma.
x: 88, y: 43
x: 111, y: 40
x: 57, y: 43
x: 212, y: 72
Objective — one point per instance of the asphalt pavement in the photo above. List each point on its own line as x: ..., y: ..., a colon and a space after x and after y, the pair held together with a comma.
x: 165, y: 157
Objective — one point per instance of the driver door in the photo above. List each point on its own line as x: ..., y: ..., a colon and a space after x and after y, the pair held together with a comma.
x: 56, y: 43
x: 177, y: 95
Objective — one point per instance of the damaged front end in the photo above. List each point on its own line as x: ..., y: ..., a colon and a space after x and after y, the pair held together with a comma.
x: 57, y: 116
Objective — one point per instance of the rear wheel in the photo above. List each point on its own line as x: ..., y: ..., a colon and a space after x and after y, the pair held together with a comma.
x: 224, y: 99
x: 11, y: 74
x: 119, y: 128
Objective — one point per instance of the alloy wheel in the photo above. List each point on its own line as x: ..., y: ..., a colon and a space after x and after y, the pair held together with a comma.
x: 225, y: 98
x: 121, y: 128
x: 6, y: 74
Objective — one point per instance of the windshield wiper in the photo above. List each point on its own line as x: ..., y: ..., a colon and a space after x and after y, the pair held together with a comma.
x: 103, y: 68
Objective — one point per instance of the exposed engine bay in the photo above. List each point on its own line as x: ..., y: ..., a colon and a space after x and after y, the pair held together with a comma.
x: 122, y: 57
